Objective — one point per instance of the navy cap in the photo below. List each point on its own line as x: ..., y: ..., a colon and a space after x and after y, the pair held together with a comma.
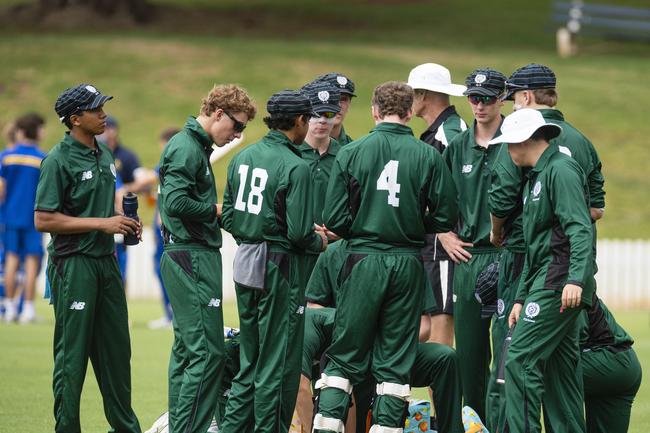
x: 324, y: 98
x: 289, y: 102
x: 340, y: 81
x: 485, y: 82
x: 79, y: 98
x: 530, y: 77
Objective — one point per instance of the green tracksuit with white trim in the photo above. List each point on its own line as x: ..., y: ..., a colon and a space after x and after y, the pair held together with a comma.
x: 543, y: 355
x: 471, y: 165
x: 386, y: 191
x: 267, y: 199
x: 191, y: 270
x: 90, y: 311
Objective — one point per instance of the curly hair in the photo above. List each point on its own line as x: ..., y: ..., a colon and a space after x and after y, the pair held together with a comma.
x: 393, y: 97
x: 230, y: 98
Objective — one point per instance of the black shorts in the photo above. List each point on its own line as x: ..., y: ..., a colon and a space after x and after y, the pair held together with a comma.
x: 441, y: 277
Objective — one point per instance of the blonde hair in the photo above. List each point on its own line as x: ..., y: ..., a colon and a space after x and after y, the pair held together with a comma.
x: 230, y: 98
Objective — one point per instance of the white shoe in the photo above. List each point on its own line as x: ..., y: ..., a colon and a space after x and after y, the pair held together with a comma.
x: 162, y: 323
x: 10, y: 312
x: 161, y: 425
x: 28, y: 315
x: 214, y: 428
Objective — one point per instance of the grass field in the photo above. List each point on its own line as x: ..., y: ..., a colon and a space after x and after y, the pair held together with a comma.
x: 26, y: 367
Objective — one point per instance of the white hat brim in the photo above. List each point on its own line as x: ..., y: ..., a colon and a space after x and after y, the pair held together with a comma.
x: 522, y: 135
x: 447, y: 89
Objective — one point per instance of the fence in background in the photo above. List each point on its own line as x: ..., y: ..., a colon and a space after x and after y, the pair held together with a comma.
x: 623, y: 271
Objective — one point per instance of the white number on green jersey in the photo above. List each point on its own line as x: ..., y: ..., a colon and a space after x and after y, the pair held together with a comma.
x: 255, y: 197
x: 387, y: 181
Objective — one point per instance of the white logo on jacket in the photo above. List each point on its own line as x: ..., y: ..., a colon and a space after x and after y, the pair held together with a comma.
x: 536, y: 190
x: 86, y: 175
x: 76, y: 305
x: 467, y: 168
x: 214, y: 302
x: 532, y: 310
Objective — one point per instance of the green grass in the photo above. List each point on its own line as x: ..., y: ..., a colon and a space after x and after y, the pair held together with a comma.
x: 159, y: 80
x: 26, y: 367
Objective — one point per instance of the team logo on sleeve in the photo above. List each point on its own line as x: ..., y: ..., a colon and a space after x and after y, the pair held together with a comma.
x: 501, y: 307
x: 113, y: 170
x: 324, y: 95
x: 532, y: 310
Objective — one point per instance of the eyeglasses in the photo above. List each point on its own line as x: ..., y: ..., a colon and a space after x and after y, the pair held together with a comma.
x: 238, y: 126
x: 485, y: 100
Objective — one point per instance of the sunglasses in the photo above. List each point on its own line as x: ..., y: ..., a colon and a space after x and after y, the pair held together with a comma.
x: 238, y: 126
x: 327, y: 114
x: 485, y: 100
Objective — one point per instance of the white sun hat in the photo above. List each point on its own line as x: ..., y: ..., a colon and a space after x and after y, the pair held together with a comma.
x: 522, y: 124
x: 434, y: 77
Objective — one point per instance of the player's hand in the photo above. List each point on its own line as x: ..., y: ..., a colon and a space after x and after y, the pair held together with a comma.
x: 571, y: 296
x: 331, y: 236
x: 455, y: 247
x: 496, y: 238
x: 514, y: 314
x: 119, y: 224
x: 219, y: 207
x: 319, y: 230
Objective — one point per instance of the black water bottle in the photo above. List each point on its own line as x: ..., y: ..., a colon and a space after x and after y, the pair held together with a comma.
x: 130, y: 208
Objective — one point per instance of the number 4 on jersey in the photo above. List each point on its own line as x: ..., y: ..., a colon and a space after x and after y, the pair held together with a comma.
x: 387, y: 181
x: 255, y: 197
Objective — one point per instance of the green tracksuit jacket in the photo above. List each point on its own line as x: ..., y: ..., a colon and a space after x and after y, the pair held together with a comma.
x: 321, y: 169
x: 268, y: 199
x: 191, y: 270
x: 91, y: 319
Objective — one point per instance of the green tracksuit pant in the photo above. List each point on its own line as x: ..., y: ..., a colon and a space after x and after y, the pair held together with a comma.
x: 611, y: 380
x: 510, y: 267
x: 543, y: 363
x: 436, y: 366
x: 377, y: 317
x: 266, y: 317
x: 91, y: 321
x: 192, y: 277
x: 471, y: 331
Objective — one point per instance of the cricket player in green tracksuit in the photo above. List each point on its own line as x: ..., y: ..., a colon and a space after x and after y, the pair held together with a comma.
x: 346, y: 88
x: 556, y: 282
x: 267, y: 206
x: 191, y: 261
x: 505, y: 204
x: 435, y: 364
x: 470, y: 159
x: 386, y: 191
x: 75, y: 202
x: 433, y: 88
x: 611, y: 372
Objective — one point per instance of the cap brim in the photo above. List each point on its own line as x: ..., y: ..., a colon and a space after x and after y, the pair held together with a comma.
x: 482, y: 91
x: 448, y: 89
x: 524, y: 134
x: 96, y: 103
x: 327, y: 108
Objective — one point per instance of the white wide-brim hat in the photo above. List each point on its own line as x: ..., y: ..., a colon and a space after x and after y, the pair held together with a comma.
x: 434, y: 77
x: 522, y: 124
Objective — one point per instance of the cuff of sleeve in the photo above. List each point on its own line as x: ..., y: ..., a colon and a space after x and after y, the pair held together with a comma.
x: 519, y: 301
x: 576, y: 283
x: 214, y: 212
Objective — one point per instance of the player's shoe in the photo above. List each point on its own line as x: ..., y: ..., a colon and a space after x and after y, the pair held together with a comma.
x: 28, y: 315
x: 214, y: 428
x: 161, y: 425
x: 162, y: 323
x: 10, y: 311
x: 472, y: 422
